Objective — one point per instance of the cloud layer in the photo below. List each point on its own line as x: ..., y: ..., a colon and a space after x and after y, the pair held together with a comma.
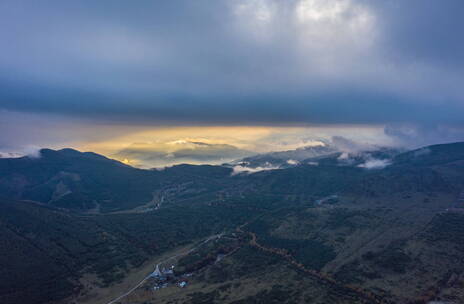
x: 159, y: 154
x: 234, y: 62
x: 95, y: 75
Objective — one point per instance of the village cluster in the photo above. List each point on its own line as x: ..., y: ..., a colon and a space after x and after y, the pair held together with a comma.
x: 165, y: 276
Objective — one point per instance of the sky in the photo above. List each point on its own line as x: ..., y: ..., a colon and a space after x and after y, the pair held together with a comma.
x: 162, y: 82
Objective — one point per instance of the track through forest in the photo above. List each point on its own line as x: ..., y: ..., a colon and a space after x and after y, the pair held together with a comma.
x: 369, y: 296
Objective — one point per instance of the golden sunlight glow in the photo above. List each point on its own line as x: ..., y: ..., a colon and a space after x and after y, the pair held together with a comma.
x: 130, y: 147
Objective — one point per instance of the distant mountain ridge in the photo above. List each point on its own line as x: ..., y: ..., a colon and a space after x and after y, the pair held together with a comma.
x: 72, y: 179
x: 315, y: 155
x: 285, y: 158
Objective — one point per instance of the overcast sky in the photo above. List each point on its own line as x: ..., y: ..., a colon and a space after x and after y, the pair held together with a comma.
x: 394, y: 65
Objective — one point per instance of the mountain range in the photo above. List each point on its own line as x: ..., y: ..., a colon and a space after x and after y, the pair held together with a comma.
x: 319, y: 226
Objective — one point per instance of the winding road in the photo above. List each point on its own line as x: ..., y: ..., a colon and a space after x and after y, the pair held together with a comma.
x: 216, y: 236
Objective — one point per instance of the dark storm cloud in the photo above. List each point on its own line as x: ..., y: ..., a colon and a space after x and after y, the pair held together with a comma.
x: 235, y: 62
x: 424, y: 31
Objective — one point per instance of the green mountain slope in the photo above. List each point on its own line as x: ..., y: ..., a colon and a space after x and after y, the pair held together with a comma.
x: 83, y: 181
x: 331, y: 233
